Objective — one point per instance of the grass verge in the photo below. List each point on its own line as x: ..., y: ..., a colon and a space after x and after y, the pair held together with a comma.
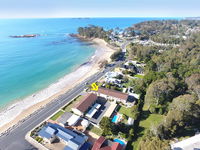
x: 57, y: 115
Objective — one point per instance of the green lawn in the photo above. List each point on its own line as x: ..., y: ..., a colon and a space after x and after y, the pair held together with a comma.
x: 146, y: 122
x: 125, y: 111
x: 153, y: 119
x: 57, y: 115
x: 66, y: 108
x: 95, y: 130
x: 70, y: 105
x: 139, y: 76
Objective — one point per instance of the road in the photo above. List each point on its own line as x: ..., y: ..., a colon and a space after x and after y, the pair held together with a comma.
x: 124, y: 45
x: 15, y: 139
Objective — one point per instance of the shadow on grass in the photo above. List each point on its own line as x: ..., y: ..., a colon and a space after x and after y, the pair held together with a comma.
x: 187, y: 131
x: 129, y: 145
x: 145, y: 115
x: 140, y: 132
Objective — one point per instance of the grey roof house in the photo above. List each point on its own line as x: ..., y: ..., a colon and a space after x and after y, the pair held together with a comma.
x: 73, y: 140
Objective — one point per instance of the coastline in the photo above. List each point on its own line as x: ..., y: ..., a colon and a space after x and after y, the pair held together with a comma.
x: 23, y: 108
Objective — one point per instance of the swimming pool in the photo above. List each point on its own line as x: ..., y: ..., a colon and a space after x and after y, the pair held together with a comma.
x: 119, y: 141
x: 115, y: 118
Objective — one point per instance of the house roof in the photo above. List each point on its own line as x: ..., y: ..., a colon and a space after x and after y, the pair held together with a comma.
x: 73, y: 120
x: 91, y: 112
x: 113, y: 93
x: 64, y: 135
x: 75, y: 140
x: 86, y: 146
x: 73, y: 144
x: 68, y: 148
x: 110, y: 109
x: 64, y: 117
x: 86, y: 102
x: 99, y: 143
x: 116, y: 146
x: 192, y: 143
x: 130, y: 121
x: 47, y: 132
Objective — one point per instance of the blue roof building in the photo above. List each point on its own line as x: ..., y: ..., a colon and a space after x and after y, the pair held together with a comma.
x: 73, y: 140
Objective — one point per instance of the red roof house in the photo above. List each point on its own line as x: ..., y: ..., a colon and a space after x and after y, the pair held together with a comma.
x: 98, y: 145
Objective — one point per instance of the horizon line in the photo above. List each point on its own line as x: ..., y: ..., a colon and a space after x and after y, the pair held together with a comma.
x: 100, y: 17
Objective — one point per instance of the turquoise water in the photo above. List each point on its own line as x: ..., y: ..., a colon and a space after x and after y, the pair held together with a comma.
x: 119, y: 141
x: 28, y: 65
x: 115, y: 118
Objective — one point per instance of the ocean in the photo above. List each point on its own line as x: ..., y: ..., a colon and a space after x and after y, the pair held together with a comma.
x: 28, y: 65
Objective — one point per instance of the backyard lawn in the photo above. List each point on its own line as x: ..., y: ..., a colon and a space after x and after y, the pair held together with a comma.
x: 139, y: 76
x: 153, y: 119
x: 146, y: 122
x: 95, y: 130
x: 125, y: 111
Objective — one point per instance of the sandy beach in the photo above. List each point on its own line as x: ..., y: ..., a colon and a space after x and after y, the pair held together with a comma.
x: 19, y: 110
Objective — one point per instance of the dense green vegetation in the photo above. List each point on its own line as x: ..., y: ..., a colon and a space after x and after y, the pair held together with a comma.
x: 129, y: 112
x: 171, y: 85
x: 167, y: 31
x: 94, y: 32
x: 116, y: 55
x: 120, y: 130
x: 107, y: 126
x: 169, y: 104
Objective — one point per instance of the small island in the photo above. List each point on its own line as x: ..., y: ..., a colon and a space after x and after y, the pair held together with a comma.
x: 24, y: 36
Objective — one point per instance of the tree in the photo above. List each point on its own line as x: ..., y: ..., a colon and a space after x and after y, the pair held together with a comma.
x: 153, y: 143
x: 131, y: 134
x: 193, y: 83
x: 94, y: 32
x: 106, y: 125
x: 160, y: 92
x: 104, y: 63
x: 116, y: 55
x: 119, y: 76
x: 135, y: 111
x: 184, y: 111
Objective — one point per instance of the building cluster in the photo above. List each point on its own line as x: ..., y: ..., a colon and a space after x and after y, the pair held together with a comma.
x: 69, y: 129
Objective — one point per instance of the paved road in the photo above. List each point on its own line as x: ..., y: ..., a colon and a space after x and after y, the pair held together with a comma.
x: 15, y: 139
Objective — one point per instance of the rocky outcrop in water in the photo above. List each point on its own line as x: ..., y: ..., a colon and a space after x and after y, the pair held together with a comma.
x: 24, y: 36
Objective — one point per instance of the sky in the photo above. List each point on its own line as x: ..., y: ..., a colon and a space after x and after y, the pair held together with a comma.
x: 98, y: 8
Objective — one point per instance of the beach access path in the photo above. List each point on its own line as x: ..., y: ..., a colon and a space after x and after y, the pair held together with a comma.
x: 15, y: 138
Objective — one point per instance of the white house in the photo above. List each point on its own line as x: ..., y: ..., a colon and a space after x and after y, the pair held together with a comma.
x: 192, y: 143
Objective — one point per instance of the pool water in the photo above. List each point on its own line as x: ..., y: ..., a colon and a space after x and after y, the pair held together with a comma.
x: 119, y: 141
x: 115, y: 118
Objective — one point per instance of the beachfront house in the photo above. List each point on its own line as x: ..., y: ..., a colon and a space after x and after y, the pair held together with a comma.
x: 85, y: 104
x: 112, y: 94
x: 68, y: 119
x: 113, y: 81
x: 71, y: 139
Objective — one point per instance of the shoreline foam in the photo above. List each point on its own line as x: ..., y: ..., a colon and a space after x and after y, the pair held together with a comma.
x: 23, y: 108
